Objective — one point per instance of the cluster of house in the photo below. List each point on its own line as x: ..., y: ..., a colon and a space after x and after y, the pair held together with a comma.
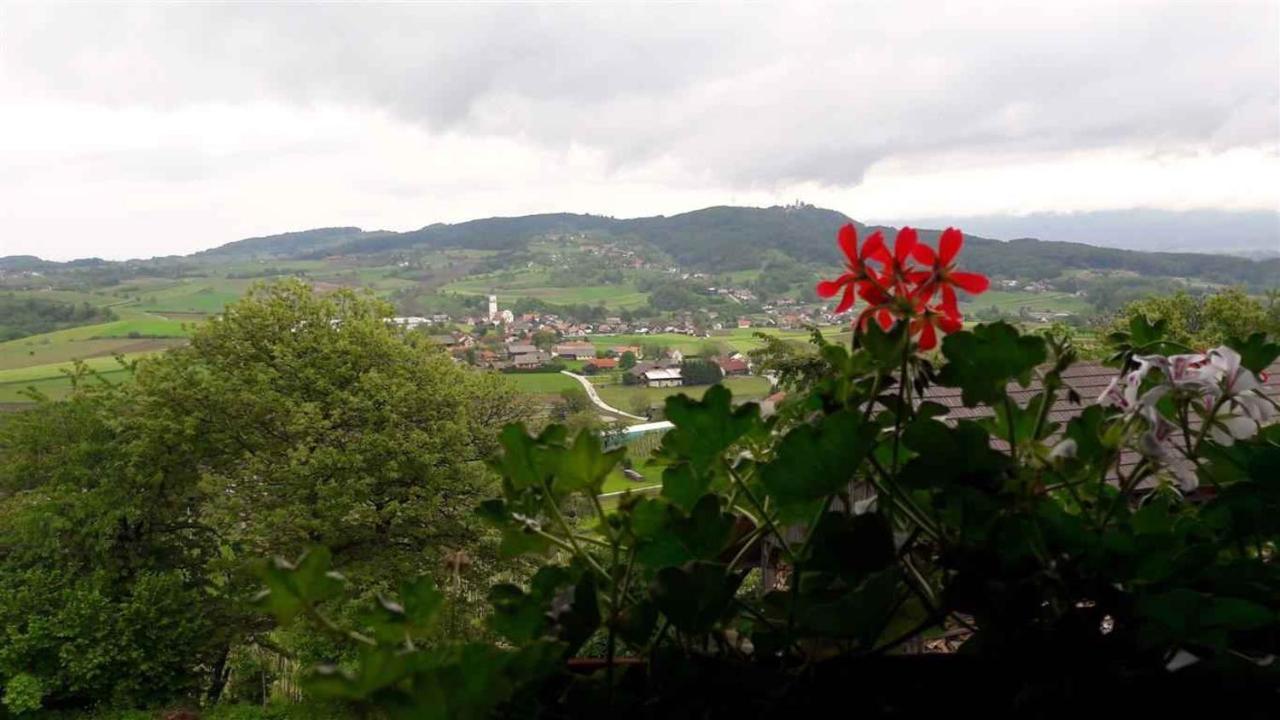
x: 522, y: 354
x: 667, y: 371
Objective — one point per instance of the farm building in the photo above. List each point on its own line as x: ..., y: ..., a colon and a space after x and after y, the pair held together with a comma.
x: 666, y: 377
x: 575, y: 350
x: 528, y: 361
x: 732, y: 366
x: 599, y: 364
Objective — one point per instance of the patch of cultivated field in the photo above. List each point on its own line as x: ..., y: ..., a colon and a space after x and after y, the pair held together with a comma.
x: 625, y: 397
x: 53, y: 381
x: 134, y: 332
x: 16, y: 354
x: 535, y: 284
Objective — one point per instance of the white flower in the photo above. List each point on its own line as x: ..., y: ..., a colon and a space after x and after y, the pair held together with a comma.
x: 1243, y: 409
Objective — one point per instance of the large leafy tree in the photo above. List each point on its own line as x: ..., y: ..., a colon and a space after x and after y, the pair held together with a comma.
x: 294, y: 419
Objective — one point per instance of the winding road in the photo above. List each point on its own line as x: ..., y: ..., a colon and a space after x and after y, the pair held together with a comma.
x: 595, y: 397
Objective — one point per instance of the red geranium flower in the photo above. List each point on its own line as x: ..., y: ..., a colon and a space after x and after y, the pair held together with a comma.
x: 943, y: 274
x: 928, y: 321
x: 900, y: 290
x: 858, y: 279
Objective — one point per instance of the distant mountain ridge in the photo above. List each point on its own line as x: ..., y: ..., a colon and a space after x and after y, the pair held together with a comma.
x: 1251, y: 233
x: 731, y: 238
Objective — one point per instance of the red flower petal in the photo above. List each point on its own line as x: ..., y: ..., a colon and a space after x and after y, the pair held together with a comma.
x: 905, y: 244
x: 846, y: 301
x: 928, y: 337
x: 848, y: 241
x: 924, y: 294
x: 949, y: 324
x: 885, y: 318
x: 949, y: 245
x: 829, y: 288
x: 923, y: 254
x: 872, y: 294
x: 972, y: 283
x: 873, y: 248
x: 949, y: 304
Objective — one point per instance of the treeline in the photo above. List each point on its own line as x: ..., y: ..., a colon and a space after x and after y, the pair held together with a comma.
x: 23, y: 316
x: 1035, y: 259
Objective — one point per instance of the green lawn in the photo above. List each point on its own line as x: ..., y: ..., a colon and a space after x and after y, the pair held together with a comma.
x: 542, y: 383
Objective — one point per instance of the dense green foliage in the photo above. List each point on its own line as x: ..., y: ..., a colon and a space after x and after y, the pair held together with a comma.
x: 130, y: 516
x: 1204, y: 320
x: 20, y: 317
x: 1077, y: 580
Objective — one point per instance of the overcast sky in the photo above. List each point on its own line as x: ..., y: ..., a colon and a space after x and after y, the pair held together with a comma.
x: 150, y: 129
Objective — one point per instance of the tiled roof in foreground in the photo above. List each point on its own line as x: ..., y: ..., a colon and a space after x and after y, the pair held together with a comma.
x: 1088, y: 379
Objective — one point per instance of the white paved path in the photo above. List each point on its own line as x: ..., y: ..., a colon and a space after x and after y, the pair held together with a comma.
x: 595, y: 397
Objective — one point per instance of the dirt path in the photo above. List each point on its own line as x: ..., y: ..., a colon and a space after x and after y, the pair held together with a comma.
x: 595, y: 397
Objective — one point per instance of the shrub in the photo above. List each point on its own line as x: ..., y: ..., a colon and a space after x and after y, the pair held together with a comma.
x: 23, y: 693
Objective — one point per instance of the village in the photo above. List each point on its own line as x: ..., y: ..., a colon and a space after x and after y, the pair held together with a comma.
x: 535, y: 342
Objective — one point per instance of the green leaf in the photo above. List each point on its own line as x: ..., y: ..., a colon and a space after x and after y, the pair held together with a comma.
x: 1256, y: 353
x: 1021, y: 420
x: 665, y: 537
x: 523, y: 617
x: 584, y: 466
x: 983, y: 361
x: 850, y: 546
x: 814, y: 461
x: 1143, y: 332
x: 683, y: 484
x: 422, y: 601
x: 1086, y: 429
x: 293, y: 586
x: 526, y: 461
x: 884, y: 347
x: 694, y: 597
x: 706, y: 428
x: 961, y: 455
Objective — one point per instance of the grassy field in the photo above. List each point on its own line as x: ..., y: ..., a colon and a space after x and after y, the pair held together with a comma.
x: 542, y: 383
x: 624, y: 397
x: 202, y: 295
x: 534, y: 284
x: 16, y: 354
x: 1046, y: 301
x: 52, y: 381
x: 740, y: 340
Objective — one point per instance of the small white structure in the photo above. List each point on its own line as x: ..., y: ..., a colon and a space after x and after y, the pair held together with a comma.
x: 493, y: 308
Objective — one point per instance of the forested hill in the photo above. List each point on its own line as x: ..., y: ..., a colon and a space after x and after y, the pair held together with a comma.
x: 733, y: 238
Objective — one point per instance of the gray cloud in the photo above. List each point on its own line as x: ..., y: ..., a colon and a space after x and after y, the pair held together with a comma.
x: 744, y: 95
